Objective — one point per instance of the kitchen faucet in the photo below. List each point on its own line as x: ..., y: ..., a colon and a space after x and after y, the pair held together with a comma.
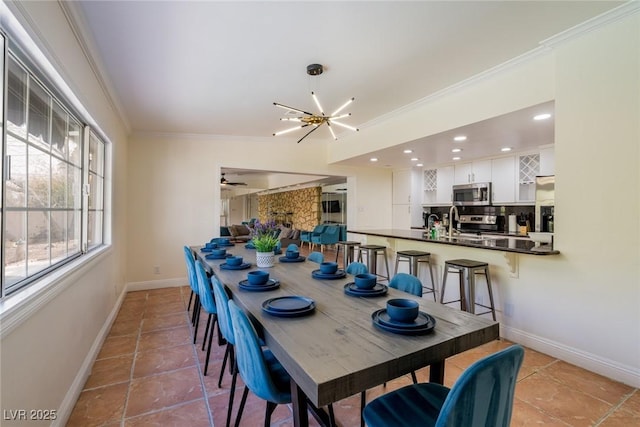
x: 451, y: 218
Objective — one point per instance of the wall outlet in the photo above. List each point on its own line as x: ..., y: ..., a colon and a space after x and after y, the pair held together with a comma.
x: 156, y: 270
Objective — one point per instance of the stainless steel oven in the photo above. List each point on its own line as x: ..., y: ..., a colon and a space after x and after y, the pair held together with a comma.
x: 477, y: 194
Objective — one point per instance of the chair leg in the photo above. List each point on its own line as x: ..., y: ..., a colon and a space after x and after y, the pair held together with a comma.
x: 363, y: 403
x: 332, y: 417
x: 190, y: 298
x: 241, y: 408
x: 206, y: 363
x: 413, y: 377
x: 267, y: 416
x: 224, y: 364
x: 206, y: 331
x: 231, y: 394
x: 197, y: 322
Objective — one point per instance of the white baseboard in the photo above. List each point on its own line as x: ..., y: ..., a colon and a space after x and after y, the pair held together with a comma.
x: 70, y: 399
x: 156, y: 284
x: 600, y: 365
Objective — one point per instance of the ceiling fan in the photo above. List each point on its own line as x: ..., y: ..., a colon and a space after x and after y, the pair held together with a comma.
x: 315, y: 120
x: 224, y: 181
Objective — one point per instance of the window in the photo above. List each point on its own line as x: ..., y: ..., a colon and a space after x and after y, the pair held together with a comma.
x: 51, y: 159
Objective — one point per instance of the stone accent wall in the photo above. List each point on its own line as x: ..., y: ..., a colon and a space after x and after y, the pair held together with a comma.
x: 303, y: 204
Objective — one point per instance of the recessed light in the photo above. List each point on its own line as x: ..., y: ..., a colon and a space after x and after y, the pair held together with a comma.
x: 505, y: 149
x: 408, y: 151
x: 544, y: 116
x: 419, y: 165
x: 456, y: 158
x: 414, y: 159
x: 373, y: 159
x: 456, y: 150
x: 460, y: 138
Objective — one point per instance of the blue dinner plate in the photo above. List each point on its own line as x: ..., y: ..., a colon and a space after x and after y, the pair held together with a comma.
x: 206, y: 249
x: 317, y: 274
x: 289, y: 306
x: 269, y: 286
x: 378, y: 290
x: 212, y: 256
x: 285, y: 259
x: 422, y: 325
x: 244, y: 265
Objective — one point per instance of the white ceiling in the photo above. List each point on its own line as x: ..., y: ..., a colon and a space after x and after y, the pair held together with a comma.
x: 215, y: 68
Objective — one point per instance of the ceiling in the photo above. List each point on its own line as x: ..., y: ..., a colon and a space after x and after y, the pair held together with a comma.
x: 215, y: 68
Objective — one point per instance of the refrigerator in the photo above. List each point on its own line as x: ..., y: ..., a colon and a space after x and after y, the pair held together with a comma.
x: 545, y: 203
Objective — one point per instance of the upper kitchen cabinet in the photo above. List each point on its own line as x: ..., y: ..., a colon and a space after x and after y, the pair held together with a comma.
x: 547, y: 161
x: 444, y: 185
x: 467, y: 173
x: 528, y: 169
x: 503, y: 180
x: 402, y: 187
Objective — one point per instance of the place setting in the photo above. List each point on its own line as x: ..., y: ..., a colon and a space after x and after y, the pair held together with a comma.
x: 292, y: 255
x: 328, y: 271
x: 403, y: 316
x: 258, y: 281
x: 223, y: 241
x: 365, y: 285
x: 289, y: 306
x: 209, y: 246
x: 218, y: 253
x: 235, y: 263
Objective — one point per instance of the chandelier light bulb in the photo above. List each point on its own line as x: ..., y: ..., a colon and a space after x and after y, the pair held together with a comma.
x: 343, y: 106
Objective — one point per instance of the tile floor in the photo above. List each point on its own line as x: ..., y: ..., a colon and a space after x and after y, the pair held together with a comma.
x: 149, y: 373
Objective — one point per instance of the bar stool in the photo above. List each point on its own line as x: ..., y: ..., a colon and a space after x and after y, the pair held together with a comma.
x: 372, y: 252
x: 348, y: 255
x: 413, y: 258
x: 467, y: 269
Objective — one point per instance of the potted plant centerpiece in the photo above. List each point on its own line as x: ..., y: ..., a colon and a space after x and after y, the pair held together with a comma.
x: 265, y: 240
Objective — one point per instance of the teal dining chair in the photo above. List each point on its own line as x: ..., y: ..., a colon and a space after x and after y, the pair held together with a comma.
x: 259, y: 368
x: 226, y: 329
x: 193, y: 282
x: 356, y: 268
x: 209, y: 305
x: 482, y: 396
x: 316, y: 257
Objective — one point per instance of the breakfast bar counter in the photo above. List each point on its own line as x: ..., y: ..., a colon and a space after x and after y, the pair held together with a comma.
x: 505, y: 243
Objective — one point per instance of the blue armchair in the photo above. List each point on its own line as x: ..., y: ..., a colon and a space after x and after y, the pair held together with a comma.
x: 305, y: 236
x: 330, y: 236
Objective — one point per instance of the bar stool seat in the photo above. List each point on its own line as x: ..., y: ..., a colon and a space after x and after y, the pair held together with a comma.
x: 372, y: 252
x: 414, y: 257
x: 467, y: 270
x: 348, y: 253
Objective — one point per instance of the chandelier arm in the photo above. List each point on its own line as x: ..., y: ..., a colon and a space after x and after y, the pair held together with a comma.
x: 344, y: 126
x: 308, y: 133
x: 292, y: 109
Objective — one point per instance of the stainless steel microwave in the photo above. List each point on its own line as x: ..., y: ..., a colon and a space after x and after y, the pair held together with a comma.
x: 477, y: 194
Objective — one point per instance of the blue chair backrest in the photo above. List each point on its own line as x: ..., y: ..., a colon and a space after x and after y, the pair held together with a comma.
x: 250, y: 359
x: 316, y: 257
x: 319, y: 229
x: 191, y: 271
x: 356, y: 268
x: 293, y: 247
x: 407, y: 283
x: 222, y: 306
x: 483, y: 394
x: 205, y: 292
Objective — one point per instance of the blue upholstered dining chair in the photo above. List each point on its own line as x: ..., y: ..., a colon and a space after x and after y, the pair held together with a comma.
x: 407, y: 283
x: 306, y: 236
x: 193, y: 280
x: 259, y: 369
x: 330, y: 236
x: 356, y: 268
x: 208, y: 303
x: 226, y: 329
x: 482, y: 396
x: 316, y: 257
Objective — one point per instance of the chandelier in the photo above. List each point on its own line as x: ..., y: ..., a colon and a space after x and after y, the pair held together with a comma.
x: 306, y: 118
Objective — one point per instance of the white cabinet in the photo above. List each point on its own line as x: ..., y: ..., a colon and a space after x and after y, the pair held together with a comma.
x: 402, y: 187
x: 444, y: 185
x: 547, y: 161
x: 401, y: 216
x: 528, y: 169
x: 467, y: 173
x: 503, y: 180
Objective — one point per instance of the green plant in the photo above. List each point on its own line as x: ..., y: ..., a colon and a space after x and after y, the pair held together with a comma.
x: 265, y: 236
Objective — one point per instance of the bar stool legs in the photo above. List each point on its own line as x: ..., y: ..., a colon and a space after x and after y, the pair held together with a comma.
x: 372, y: 252
x: 414, y: 258
x: 348, y: 254
x: 467, y: 270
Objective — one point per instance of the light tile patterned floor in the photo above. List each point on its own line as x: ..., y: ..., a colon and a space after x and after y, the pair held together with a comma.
x: 149, y: 373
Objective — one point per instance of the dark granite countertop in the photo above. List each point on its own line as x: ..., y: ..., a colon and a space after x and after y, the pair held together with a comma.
x: 496, y: 242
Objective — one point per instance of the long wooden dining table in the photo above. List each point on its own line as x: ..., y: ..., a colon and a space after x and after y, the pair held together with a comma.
x: 336, y: 351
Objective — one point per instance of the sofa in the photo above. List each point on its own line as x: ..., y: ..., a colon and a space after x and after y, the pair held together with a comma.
x: 240, y: 233
x: 288, y: 236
